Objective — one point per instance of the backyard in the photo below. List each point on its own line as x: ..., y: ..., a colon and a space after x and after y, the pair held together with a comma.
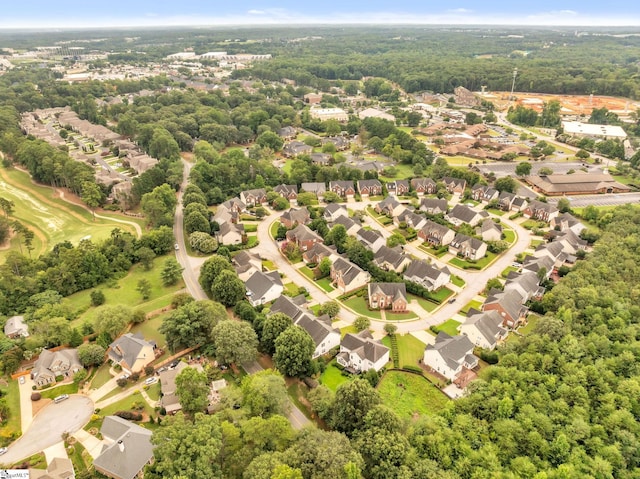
x: 410, y: 394
x: 11, y: 395
x: 450, y: 327
x: 410, y: 349
x: 332, y: 376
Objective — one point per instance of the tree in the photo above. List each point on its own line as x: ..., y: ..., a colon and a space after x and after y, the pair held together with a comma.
x: 91, y: 354
x: 390, y: 329
x: 564, y: 205
x: 331, y: 308
x: 112, y: 320
x: 97, y: 297
x: 144, y: 288
x: 506, y: 183
x: 353, y: 401
x: 582, y: 154
x: 361, y: 323
x: 171, y: 272
x: 273, y: 326
x: 523, y: 168
x: 6, y: 206
x: 545, y: 170
x: 324, y: 267
x: 92, y: 196
x: 321, y: 399
x: 146, y: 256
x: 396, y: 239
x: 493, y: 283
x: 192, y: 388
x: 234, y: 342
x: 196, y: 221
x: 283, y: 471
x: 271, y: 140
x: 192, y: 324
x: 187, y: 449
x: 265, y: 394
x: 210, y: 270
x: 294, y: 350
x: 227, y: 288
x: 203, y: 242
x: 337, y: 236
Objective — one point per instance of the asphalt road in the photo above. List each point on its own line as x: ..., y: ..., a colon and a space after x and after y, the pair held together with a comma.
x: 49, y: 425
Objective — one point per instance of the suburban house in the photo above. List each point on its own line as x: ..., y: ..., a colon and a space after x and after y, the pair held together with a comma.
x: 468, y: 247
x: 436, y: 234
x: 454, y: 185
x: 303, y: 237
x: 231, y: 233
x: 567, y: 221
x: 505, y: 200
x: 434, y: 206
x: 127, y: 449
x: 346, y: 276
x: 170, y: 400
x: 253, y: 198
x: 571, y: 242
x: 427, y: 275
x: 424, y: 186
x: 489, y: 230
x: 293, y: 217
x: 132, y: 352
x: 484, y: 193
x: 462, y: 214
x: 390, y: 206
x: 391, y: 259
x: 64, y: 362
x: 536, y: 264
x: 316, y: 253
x: 296, y: 148
x: 554, y: 251
x: 324, y: 336
x: 333, y: 210
x: 321, y: 159
x: 312, y: 98
x: 371, y: 165
x: 318, y: 189
x: 369, y: 187
x: 289, y: 192
x: 360, y: 352
x: 234, y: 205
x: 287, y: 132
x: 519, y: 203
x: 291, y: 307
x: 223, y: 215
x: 58, y: 468
x: 398, y: 187
x: 508, y: 304
x: 342, y: 188
x: 526, y: 284
x: 484, y: 329
x: 246, y: 263
x: 263, y: 288
x: 340, y: 142
x: 411, y: 219
x: 15, y: 327
x: 351, y: 226
x: 372, y: 239
x: 450, y: 355
x: 391, y: 296
x: 540, y: 211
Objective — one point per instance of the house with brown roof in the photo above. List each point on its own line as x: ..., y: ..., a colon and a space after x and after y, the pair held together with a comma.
x: 576, y: 184
x: 254, y: 197
x: 304, y: 237
x: 289, y: 192
x: 424, y: 186
x: 347, y: 276
x: 360, y: 352
x: 295, y: 216
x: 468, y: 247
x: 539, y: 210
x: 391, y: 296
x: 436, y: 234
x: 342, y: 188
x: 371, y: 187
x: 50, y: 364
x: 454, y: 185
x: 434, y: 206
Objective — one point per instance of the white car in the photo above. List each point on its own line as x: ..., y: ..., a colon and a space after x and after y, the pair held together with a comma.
x: 21, y: 380
x: 176, y: 247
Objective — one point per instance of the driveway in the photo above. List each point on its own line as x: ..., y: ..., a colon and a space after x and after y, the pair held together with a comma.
x: 48, y: 426
x: 26, y: 411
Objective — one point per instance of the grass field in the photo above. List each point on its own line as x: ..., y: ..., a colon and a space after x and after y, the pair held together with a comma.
x: 480, y: 264
x: 359, y: 305
x: 11, y: 395
x: 101, y: 377
x: 410, y: 349
x: 325, y: 283
x: 332, y: 377
x: 509, y: 236
x: 410, y: 394
x: 471, y: 304
x: 149, y: 329
x: 52, y: 220
x: 59, y: 390
x: 449, y: 326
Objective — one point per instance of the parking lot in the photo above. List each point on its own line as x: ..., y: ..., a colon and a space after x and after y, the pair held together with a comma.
x: 509, y: 169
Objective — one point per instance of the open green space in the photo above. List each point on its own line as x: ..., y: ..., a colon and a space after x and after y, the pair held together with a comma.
x: 410, y: 349
x: 325, y: 284
x: 531, y: 223
x: 101, y: 377
x: 509, y: 236
x: 449, y: 326
x: 149, y: 329
x: 332, y: 376
x: 402, y: 172
x: 532, y: 321
x: 52, y: 219
x: 458, y: 281
x: 479, y: 264
x: 11, y: 396
x: 252, y: 241
x: 410, y: 395
x: 56, y: 391
x: 471, y: 304
x: 359, y: 305
x: 391, y: 316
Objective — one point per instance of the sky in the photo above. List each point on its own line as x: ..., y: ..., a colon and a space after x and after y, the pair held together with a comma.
x: 121, y: 13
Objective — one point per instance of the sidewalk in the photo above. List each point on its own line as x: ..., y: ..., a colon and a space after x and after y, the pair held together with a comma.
x: 91, y: 443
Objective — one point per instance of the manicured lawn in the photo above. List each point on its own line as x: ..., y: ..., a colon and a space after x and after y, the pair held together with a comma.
x: 268, y: 265
x: 509, y: 236
x: 471, y: 304
x: 426, y: 304
x: 149, y: 329
x: 348, y: 329
x: 508, y: 270
x: 535, y: 243
x: 52, y: 220
x: 101, y: 377
x: 291, y: 289
x: 252, y: 241
x: 531, y: 223
x: 410, y: 349
x: 11, y: 395
x: 432, y: 251
x: 400, y: 316
x: 250, y: 227
x: 359, y: 305
x: 325, y: 283
x: 273, y: 229
x: 307, y: 272
x: 441, y: 294
x: 532, y: 321
x: 496, y: 212
x: 449, y: 326
x: 410, y: 394
x: 332, y: 377
x: 80, y: 457
x: 457, y: 280
x: 154, y: 391
x: 59, y: 390
x: 126, y: 405
x: 480, y: 264
x: 402, y: 171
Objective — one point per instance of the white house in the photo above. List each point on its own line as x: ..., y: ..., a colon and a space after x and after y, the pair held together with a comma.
x: 263, y: 288
x: 324, y: 336
x: 449, y: 355
x: 484, y: 329
x: 360, y: 352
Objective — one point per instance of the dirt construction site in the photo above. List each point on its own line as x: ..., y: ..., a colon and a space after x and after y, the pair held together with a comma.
x: 578, y: 105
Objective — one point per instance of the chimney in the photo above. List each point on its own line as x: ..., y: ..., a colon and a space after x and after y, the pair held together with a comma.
x: 121, y: 445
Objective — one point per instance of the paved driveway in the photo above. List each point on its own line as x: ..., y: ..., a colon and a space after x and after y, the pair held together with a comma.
x: 48, y: 426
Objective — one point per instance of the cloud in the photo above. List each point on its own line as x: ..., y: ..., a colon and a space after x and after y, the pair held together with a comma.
x: 460, y: 10
x: 256, y: 12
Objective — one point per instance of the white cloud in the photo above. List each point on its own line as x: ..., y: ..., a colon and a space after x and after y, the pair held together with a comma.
x: 460, y: 10
x: 256, y: 12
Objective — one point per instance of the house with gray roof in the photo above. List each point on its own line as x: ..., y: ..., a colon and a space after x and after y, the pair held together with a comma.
x: 370, y: 187
x: 434, y: 206
x: 132, y: 352
x: 126, y: 451
x: 484, y: 329
x: 508, y: 304
x: 296, y: 148
x: 292, y: 307
x: 340, y: 142
x: 489, y: 230
x: 539, y: 210
x: 505, y: 200
x: 360, y: 352
x: 411, y: 219
x: 304, y: 237
x: 233, y: 204
x: 170, y: 400
x: 246, y: 263
x: 58, y: 468
x: 462, y: 214
x: 484, y: 193
x: 567, y: 221
x: 526, y: 284
x: 64, y: 362
x: 289, y: 192
x: 450, y: 355
x: 321, y: 159
x: 454, y: 185
x: 391, y: 296
x: 468, y: 247
x: 536, y: 264
x: 254, y: 197
x: 351, y: 226
x: 347, y: 276
x: 318, y: 189
x: 317, y: 253
x: 398, y: 187
x: 263, y: 288
x: 15, y: 327
x: 390, y: 206
x: 372, y: 239
x: 436, y: 234
x: 287, y: 132
x: 424, y: 186
x: 343, y: 188
x: 333, y: 210
x: 230, y: 233
x: 295, y: 216
x: 391, y: 259
x: 325, y: 337
x: 427, y: 275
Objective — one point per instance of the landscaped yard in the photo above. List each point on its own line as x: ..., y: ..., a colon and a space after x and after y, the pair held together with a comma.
x: 273, y: 229
x: 410, y: 394
x: 438, y: 253
x: 441, y: 294
x: 307, y: 272
x: 471, y: 304
x: 509, y: 236
x: 410, y: 349
x: 126, y: 405
x: 268, y: 265
x: 11, y: 395
x: 332, y: 377
x: 458, y: 281
x: 496, y: 211
x: 508, y: 270
x: 348, y: 329
x: 101, y: 377
x: 390, y: 316
x: 154, y: 391
x: 425, y: 303
x: 359, y: 305
x: 449, y: 326
x: 325, y: 283
x: 149, y: 329
x: 59, y: 390
x: 480, y: 264
x: 532, y: 321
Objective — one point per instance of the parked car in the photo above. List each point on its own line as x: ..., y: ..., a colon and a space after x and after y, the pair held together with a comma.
x: 3, y: 450
x: 61, y: 398
x: 451, y: 300
x: 21, y: 380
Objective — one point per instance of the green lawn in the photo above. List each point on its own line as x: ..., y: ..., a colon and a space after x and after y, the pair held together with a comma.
x: 154, y: 391
x: 359, y: 305
x: 410, y: 349
x: 508, y: 270
x: 332, y: 377
x: 509, y: 236
x: 532, y: 321
x: 149, y: 329
x: 347, y: 330
x: 531, y: 223
x: 125, y: 405
x: 101, y: 377
x: 59, y: 390
x: 291, y: 289
x: 52, y: 220
x: 250, y: 227
x: 438, y: 253
x: 441, y: 294
x: 471, y: 304
x: 325, y: 283
x: 307, y: 272
x: 390, y: 316
x: 496, y: 211
x: 480, y: 264
x: 425, y: 303
x: 535, y: 243
x: 457, y: 280
x: 273, y: 229
x: 268, y: 265
x: 11, y: 395
x: 410, y: 394
x: 449, y: 326
x: 124, y: 292
x: 252, y: 241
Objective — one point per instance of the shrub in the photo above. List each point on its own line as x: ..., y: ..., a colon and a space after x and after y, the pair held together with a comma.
x: 36, y: 396
x: 134, y: 377
x: 122, y: 382
x: 149, y: 370
x: 97, y: 297
x: 129, y: 415
x: 59, y: 378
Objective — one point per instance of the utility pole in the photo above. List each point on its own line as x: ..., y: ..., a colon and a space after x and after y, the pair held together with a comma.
x: 513, y: 84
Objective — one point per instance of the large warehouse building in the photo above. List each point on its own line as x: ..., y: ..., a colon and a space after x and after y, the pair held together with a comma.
x: 576, y: 184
